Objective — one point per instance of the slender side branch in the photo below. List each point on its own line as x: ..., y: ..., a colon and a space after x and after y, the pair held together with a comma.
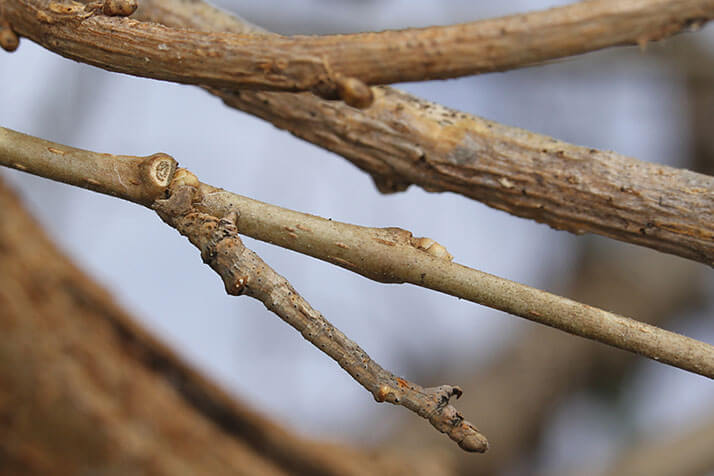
x: 244, y: 272
x: 392, y: 255
x: 403, y: 140
x: 341, y: 65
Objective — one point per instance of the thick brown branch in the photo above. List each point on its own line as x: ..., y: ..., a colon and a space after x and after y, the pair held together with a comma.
x: 243, y: 272
x: 328, y: 64
x: 393, y: 255
x: 403, y: 140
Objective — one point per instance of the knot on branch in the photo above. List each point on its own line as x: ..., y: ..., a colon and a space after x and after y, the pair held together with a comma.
x: 112, y: 8
x: 217, y: 238
x: 432, y: 247
x: 9, y: 41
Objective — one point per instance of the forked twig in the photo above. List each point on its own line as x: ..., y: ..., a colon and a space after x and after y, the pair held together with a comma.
x: 209, y: 217
x: 244, y: 272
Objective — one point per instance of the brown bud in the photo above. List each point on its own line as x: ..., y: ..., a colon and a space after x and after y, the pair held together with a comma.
x: 9, y: 41
x: 432, y: 247
x: 354, y: 92
x: 184, y: 177
x: 382, y: 393
x: 119, y: 8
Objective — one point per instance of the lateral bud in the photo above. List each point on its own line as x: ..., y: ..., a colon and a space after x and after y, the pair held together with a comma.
x: 432, y: 247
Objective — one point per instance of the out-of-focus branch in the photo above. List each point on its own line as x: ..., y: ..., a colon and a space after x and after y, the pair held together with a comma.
x: 403, y: 140
x: 341, y: 65
x: 687, y: 453
x: 393, y: 255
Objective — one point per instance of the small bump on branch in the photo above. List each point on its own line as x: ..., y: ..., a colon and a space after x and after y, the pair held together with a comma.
x: 9, y: 41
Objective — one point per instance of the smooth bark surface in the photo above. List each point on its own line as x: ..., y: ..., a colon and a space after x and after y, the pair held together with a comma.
x: 138, y: 179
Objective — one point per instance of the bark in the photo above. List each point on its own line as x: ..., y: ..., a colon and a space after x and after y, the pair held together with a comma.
x: 402, y: 140
x: 341, y: 65
x: 85, y: 390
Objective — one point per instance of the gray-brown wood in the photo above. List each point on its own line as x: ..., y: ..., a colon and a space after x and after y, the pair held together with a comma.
x: 324, y: 64
x: 402, y: 140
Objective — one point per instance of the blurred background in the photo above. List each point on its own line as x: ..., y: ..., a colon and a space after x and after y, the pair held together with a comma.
x: 550, y: 403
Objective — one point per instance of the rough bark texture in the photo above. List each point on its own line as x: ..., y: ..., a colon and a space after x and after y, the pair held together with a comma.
x: 402, y: 140
x: 86, y: 391
x: 322, y: 63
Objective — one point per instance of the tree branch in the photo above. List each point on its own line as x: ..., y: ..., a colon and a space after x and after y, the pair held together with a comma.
x: 137, y: 179
x: 403, y: 140
x: 392, y: 255
x: 552, y: 365
x: 241, y: 269
x: 243, y: 272
x: 341, y: 65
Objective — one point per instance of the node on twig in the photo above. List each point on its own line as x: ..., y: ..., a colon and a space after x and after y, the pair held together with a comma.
x: 354, y: 92
x: 119, y: 8
x: 9, y: 41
